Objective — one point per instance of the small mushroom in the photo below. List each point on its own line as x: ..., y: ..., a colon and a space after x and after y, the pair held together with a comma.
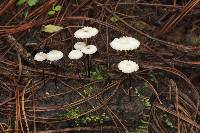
x: 125, y: 43
x: 54, y: 56
x: 89, y: 50
x: 41, y: 57
x: 128, y: 67
x: 86, y: 32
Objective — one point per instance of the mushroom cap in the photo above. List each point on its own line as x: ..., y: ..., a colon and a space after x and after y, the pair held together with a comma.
x: 86, y: 32
x: 89, y: 49
x: 79, y: 45
x: 54, y: 55
x: 40, y: 56
x: 125, y: 43
x: 128, y: 66
x: 75, y: 54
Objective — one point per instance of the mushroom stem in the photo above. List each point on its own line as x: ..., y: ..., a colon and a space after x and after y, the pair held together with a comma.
x: 127, y: 55
x: 78, y: 70
x: 43, y: 75
x: 108, y: 60
x: 56, y: 80
x: 130, y: 86
x: 88, y: 65
x: 85, y: 64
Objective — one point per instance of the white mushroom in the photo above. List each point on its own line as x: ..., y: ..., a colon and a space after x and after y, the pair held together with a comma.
x: 125, y: 43
x: 86, y: 32
x: 75, y: 54
x: 79, y: 45
x: 89, y: 49
x: 128, y: 66
x: 54, y: 55
x: 40, y: 56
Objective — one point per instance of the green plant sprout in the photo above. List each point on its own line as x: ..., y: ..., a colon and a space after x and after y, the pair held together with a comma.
x: 145, y: 100
x: 142, y: 126
x: 54, y: 10
x: 154, y: 79
x: 97, y: 74
x: 114, y: 19
x: 143, y: 123
x: 29, y: 2
x: 73, y: 113
x: 87, y: 91
x: 167, y: 121
x: 86, y: 119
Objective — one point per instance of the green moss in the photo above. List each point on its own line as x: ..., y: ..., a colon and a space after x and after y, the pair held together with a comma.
x: 86, y: 119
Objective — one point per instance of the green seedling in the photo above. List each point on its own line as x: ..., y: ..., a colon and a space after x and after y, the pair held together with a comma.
x: 114, y: 19
x: 29, y: 2
x: 54, y: 10
x: 167, y: 121
x: 25, y: 14
x: 145, y: 100
x: 97, y: 74
x: 143, y: 123
x: 87, y: 91
x: 73, y: 113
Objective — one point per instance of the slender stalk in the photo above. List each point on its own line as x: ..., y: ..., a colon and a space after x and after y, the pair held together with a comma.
x: 43, y: 75
x: 130, y: 86
x: 78, y: 70
x: 126, y: 54
x: 88, y: 65
x: 85, y: 64
x: 107, y: 49
x: 56, y: 80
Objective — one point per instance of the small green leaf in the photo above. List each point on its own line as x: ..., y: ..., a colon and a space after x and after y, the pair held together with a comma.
x: 32, y: 2
x: 51, y: 28
x: 20, y: 2
x: 57, y: 8
x: 51, y: 12
x: 114, y: 19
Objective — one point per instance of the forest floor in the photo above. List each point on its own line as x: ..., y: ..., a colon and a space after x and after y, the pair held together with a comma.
x: 47, y: 97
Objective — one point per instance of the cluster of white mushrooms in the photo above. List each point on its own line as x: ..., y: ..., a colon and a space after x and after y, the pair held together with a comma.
x: 81, y: 48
